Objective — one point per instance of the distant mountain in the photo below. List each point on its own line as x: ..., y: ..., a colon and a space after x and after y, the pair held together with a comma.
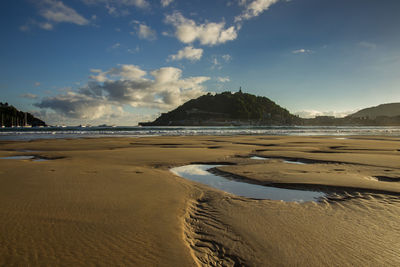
x: 382, y: 115
x: 384, y: 110
x: 227, y: 109
x: 10, y: 116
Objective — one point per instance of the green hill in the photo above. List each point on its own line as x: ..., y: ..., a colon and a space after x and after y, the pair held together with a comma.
x: 10, y: 116
x: 384, y: 110
x: 227, y: 109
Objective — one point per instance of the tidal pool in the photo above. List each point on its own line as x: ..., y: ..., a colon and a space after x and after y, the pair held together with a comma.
x: 24, y: 158
x: 286, y: 161
x: 259, y: 158
x: 200, y: 173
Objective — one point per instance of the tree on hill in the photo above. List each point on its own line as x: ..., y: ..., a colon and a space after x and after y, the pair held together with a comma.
x: 10, y: 116
x: 242, y: 108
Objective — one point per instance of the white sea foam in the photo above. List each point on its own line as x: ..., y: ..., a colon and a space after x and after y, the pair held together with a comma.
x: 76, y: 132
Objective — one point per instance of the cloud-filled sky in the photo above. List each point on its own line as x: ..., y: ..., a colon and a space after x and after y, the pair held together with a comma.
x: 124, y: 61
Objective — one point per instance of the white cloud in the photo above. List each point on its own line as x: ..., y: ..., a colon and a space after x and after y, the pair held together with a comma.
x: 123, y: 72
x: 29, y: 96
x: 119, y: 3
x: 118, y: 7
x: 125, y: 85
x: 215, y: 63
x: 223, y: 79
x: 117, y: 116
x: 210, y: 33
x: 143, y: 31
x: 302, y: 51
x: 116, y: 46
x: 120, y: 48
x: 56, y: 12
x: 133, y: 50
x: 24, y: 28
x: 168, y: 34
x: 254, y: 8
x: 218, y: 60
x: 190, y: 53
x: 33, y: 23
x: 314, y: 113
x: 367, y: 45
x: 226, y: 57
x: 46, y: 26
x: 117, y: 12
x: 165, y: 3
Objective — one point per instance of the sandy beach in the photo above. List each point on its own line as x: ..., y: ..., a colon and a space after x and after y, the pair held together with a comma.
x: 115, y: 202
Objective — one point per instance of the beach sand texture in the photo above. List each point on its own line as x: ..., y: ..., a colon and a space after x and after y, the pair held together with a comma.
x: 114, y: 202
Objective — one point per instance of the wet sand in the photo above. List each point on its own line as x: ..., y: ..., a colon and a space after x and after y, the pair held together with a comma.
x: 113, y: 201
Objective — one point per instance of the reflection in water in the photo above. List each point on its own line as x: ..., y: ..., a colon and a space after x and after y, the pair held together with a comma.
x: 259, y: 158
x: 19, y: 157
x: 294, y: 162
x: 25, y: 158
x: 200, y: 173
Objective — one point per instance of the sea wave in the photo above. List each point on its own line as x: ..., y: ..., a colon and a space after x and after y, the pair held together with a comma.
x: 135, y: 131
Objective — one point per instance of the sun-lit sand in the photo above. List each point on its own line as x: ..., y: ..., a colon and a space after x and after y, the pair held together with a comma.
x: 114, y: 201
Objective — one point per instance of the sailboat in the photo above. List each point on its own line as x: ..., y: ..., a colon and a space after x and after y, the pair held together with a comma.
x: 18, y: 125
x: 26, y: 125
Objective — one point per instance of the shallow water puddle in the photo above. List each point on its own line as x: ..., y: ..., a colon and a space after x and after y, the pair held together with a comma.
x: 18, y: 157
x: 24, y: 158
x: 294, y: 162
x: 259, y: 158
x: 285, y: 161
x: 200, y: 173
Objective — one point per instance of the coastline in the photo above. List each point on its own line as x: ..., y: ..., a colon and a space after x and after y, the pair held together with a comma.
x: 113, y: 201
x: 27, y: 134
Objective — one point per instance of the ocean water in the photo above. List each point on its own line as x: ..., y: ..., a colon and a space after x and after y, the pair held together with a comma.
x: 136, y: 131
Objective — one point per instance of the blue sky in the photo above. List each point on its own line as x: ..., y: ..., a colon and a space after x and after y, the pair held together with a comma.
x: 124, y: 61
